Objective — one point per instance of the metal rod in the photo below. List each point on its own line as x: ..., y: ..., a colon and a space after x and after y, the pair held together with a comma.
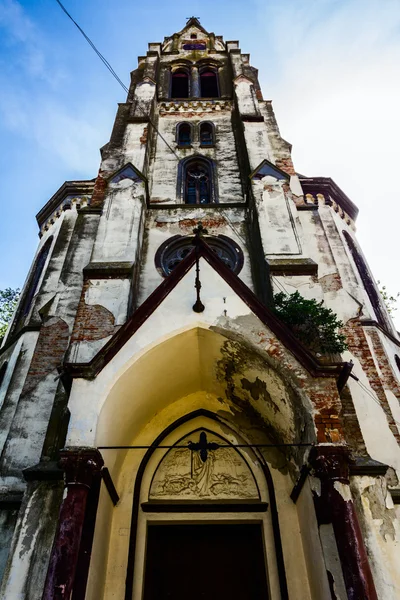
x: 219, y: 446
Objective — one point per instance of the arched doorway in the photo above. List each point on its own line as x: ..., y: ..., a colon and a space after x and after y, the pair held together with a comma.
x: 197, y: 380
x: 201, y: 497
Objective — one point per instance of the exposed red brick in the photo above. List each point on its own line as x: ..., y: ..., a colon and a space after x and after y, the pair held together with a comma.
x: 49, y: 352
x: 358, y: 345
x: 143, y: 138
x: 92, y: 322
x: 99, y: 190
x: 286, y: 164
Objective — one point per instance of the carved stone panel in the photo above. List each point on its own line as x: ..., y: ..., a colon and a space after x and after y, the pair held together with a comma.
x: 183, y: 474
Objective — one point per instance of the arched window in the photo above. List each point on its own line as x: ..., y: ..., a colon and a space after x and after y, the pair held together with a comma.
x: 397, y: 359
x: 368, y: 281
x: 184, y: 134
x: 31, y: 288
x: 3, y: 370
x: 197, y: 182
x: 209, y: 83
x: 180, y: 84
x: 206, y: 134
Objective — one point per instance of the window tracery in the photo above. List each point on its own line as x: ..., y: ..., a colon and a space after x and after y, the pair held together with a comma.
x: 174, y: 250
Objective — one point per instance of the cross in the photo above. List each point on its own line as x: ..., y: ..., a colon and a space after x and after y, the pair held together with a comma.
x: 203, y: 446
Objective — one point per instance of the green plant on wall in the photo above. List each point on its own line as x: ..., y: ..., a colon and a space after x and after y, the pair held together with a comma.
x: 389, y: 300
x: 311, y: 322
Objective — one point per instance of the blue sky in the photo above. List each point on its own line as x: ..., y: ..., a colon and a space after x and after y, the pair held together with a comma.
x: 331, y: 67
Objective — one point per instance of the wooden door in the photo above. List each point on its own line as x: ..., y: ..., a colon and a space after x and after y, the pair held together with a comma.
x: 205, y: 562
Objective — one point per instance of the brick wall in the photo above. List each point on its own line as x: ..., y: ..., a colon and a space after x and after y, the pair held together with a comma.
x: 92, y: 322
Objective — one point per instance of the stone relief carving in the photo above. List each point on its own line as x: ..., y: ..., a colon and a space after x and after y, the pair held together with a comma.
x: 183, y: 474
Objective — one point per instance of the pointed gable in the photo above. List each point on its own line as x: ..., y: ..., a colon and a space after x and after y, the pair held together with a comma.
x: 266, y: 168
x: 91, y: 369
x: 127, y: 172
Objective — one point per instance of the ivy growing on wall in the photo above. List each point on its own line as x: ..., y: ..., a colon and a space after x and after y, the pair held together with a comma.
x: 311, y: 322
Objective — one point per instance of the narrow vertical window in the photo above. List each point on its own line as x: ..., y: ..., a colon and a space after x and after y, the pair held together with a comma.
x: 198, y: 183
x: 33, y: 283
x: 184, y: 134
x: 368, y: 281
x: 209, y: 84
x: 180, y: 84
x: 206, y: 134
x: 397, y: 359
x: 3, y: 370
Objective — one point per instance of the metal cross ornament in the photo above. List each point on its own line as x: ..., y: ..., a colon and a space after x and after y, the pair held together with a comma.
x: 203, y: 446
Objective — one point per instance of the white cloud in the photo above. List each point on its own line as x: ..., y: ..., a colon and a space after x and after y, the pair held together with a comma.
x: 336, y: 92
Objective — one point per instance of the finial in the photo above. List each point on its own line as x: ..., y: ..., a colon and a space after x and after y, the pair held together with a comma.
x: 190, y: 18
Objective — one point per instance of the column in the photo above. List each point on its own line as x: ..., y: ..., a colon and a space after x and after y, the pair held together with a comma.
x: 195, y: 91
x: 81, y: 465
x: 335, y: 505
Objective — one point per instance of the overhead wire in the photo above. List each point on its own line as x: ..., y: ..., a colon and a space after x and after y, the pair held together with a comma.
x: 114, y: 74
x: 374, y: 398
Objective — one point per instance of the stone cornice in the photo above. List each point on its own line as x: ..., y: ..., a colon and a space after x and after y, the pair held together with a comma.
x: 331, y: 192
x: 68, y: 188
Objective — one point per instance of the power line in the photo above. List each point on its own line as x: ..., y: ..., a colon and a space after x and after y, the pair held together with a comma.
x: 113, y: 73
x: 162, y: 446
x: 374, y: 398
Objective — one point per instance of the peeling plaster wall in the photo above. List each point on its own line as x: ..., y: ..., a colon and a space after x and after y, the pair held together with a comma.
x: 381, y: 532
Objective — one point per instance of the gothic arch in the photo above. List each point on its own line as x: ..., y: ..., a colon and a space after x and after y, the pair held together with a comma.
x: 137, y: 498
x: 138, y: 408
x: 32, y: 285
x: 197, y: 181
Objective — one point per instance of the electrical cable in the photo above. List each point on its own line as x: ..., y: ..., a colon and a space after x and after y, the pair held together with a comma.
x: 374, y: 398
x: 241, y: 238
x: 114, y: 74
x: 300, y: 444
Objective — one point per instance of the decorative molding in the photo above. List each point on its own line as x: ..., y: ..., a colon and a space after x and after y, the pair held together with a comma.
x: 332, y: 195
x: 330, y: 463
x: 44, y: 471
x: 292, y: 266
x: 80, y: 465
x: 108, y: 270
x: 203, y: 507
x: 73, y: 189
x: 194, y: 106
x: 365, y: 465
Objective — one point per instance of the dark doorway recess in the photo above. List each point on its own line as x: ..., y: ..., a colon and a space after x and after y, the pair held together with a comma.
x: 205, y: 562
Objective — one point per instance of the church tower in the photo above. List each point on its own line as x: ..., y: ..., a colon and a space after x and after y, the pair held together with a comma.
x: 163, y: 433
